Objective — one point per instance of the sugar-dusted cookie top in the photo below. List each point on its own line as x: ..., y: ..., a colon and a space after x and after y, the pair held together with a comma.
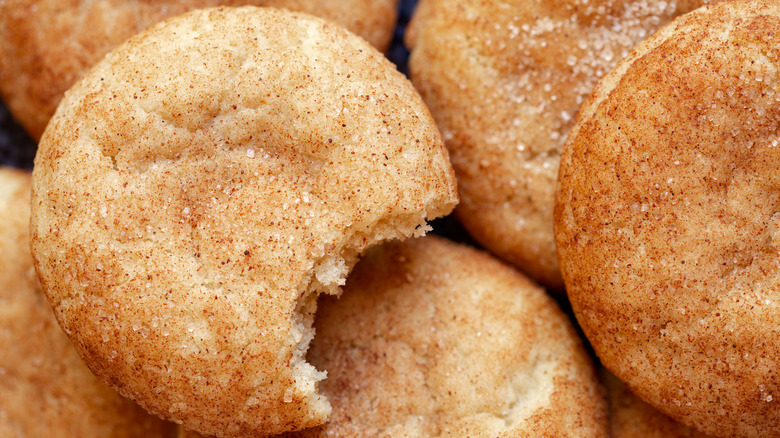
x: 504, y: 81
x: 45, y: 388
x: 436, y: 339
x: 667, y: 219
x: 200, y: 186
x: 47, y: 45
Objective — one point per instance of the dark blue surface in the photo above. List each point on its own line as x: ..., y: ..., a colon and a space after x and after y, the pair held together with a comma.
x: 398, y: 52
x: 16, y: 148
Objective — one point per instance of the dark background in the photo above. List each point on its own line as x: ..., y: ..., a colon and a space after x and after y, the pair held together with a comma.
x: 16, y: 148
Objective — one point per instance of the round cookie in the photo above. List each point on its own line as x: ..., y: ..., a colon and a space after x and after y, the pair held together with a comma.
x: 432, y: 338
x: 630, y: 417
x: 201, y: 185
x: 666, y: 220
x: 45, y: 389
x: 46, y: 45
x: 504, y: 81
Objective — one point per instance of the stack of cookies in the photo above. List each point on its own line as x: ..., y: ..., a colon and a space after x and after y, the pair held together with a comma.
x: 224, y: 232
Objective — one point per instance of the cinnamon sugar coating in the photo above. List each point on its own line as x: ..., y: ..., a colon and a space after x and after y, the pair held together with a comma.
x: 435, y: 339
x: 47, y: 45
x: 504, y: 81
x: 202, y: 184
x: 45, y: 388
x: 631, y: 417
x: 667, y: 220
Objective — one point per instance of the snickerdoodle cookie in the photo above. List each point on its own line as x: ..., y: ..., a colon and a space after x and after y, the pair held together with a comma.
x: 667, y: 219
x: 45, y: 388
x: 201, y: 185
x: 504, y: 81
x: 46, y: 45
x: 436, y: 339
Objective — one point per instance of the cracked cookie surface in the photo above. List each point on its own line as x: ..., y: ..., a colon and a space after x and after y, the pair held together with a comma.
x: 199, y: 188
x: 436, y: 339
x: 47, y: 45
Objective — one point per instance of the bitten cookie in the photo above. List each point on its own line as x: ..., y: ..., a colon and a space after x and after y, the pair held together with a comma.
x: 435, y: 339
x: 202, y: 184
x: 667, y: 219
x: 45, y: 389
x: 504, y: 81
x: 47, y: 45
